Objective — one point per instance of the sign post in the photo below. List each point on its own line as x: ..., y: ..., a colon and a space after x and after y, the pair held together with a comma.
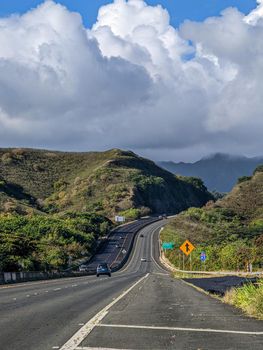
x: 168, y: 245
x: 203, y: 258
x: 187, y: 247
x: 119, y: 218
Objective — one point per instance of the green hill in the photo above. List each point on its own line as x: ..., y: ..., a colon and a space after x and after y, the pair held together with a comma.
x: 229, y: 230
x: 104, y: 182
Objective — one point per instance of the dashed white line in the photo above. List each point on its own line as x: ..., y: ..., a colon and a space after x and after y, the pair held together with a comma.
x: 89, y: 348
x: 78, y: 337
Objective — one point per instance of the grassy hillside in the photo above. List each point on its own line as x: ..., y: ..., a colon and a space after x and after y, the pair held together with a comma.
x: 229, y: 230
x: 53, y: 204
x: 104, y: 182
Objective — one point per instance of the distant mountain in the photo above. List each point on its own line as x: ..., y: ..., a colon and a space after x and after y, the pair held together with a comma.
x: 219, y: 171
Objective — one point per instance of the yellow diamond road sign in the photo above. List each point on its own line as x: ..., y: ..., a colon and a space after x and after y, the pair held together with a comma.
x: 187, y: 247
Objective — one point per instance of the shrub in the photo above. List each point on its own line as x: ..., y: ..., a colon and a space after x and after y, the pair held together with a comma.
x: 258, y: 169
x: 244, y: 179
x: 45, y: 243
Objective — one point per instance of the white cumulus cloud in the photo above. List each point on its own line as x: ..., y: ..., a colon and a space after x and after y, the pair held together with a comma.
x: 132, y: 81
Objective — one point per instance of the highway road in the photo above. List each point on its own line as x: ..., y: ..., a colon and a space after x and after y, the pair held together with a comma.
x: 117, y: 247
x: 139, y: 307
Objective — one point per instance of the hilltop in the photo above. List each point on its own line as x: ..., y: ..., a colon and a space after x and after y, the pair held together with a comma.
x: 229, y: 230
x: 108, y: 182
x: 218, y: 171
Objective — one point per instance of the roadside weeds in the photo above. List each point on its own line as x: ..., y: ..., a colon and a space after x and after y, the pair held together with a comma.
x: 248, y: 298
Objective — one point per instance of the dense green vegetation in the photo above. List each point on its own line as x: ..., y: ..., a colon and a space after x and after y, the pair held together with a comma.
x: 248, y: 298
x: 41, y: 192
x: 230, y: 230
x: 104, y: 182
x: 47, y: 243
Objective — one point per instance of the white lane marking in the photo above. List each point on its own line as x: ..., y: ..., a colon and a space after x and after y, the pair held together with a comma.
x: 89, y: 348
x: 78, y: 337
x: 28, y: 284
x: 207, y: 330
x: 157, y: 265
x: 134, y: 249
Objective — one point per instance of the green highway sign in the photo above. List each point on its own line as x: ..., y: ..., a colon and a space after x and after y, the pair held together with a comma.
x: 168, y: 245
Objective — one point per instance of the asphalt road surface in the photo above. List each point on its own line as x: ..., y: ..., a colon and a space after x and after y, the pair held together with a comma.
x: 139, y: 307
x: 117, y: 247
x: 220, y: 285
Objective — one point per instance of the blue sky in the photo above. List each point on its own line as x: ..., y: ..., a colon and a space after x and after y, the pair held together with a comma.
x: 179, y: 10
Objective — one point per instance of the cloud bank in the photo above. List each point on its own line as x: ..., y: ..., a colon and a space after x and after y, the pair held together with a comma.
x: 132, y: 81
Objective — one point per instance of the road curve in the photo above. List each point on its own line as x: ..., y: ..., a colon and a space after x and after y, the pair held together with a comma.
x: 139, y: 307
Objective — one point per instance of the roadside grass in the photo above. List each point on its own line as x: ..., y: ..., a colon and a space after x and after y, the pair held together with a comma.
x: 249, y: 298
x: 182, y: 275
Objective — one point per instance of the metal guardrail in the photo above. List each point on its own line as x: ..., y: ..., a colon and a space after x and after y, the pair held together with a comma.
x: 17, y: 277
x: 127, y: 255
x: 172, y: 268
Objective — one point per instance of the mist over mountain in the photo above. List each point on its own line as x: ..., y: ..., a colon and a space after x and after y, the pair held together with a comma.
x: 219, y: 171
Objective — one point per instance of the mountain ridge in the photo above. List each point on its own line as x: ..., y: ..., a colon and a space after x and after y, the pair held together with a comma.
x: 219, y: 171
x: 109, y: 182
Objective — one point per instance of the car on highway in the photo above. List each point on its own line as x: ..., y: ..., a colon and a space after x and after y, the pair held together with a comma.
x: 141, y: 235
x: 143, y: 259
x: 83, y: 268
x: 103, y: 269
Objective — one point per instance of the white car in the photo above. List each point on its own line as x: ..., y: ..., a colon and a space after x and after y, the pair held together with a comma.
x: 83, y: 268
x: 143, y: 259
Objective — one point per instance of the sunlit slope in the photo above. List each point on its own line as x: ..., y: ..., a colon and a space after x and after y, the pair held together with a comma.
x: 229, y: 230
x: 107, y: 182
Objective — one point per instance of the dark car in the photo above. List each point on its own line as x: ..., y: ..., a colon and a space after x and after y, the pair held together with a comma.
x: 103, y: 269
